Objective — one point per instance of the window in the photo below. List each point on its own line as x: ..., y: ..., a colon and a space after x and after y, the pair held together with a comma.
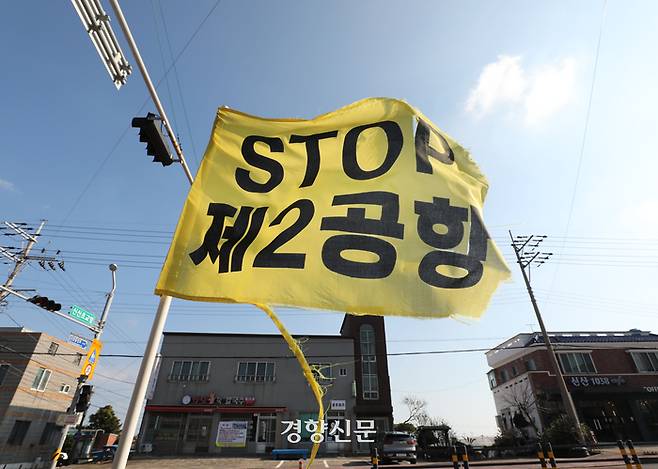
x: 576, y: 363
x: 64, y: 388
x: 18, y: 432
x: 52, y: 350
x: 4, y: 369
x: 255, y: 372
x: 504, y: 376
x: 321, y: 371
x: 41, y: 379
x: 77, y: 358
x: 342, y: 372
x: 492, y: 379
x: 646, y: 362
x: 530, y: 364
x: 514, y: 373
x: 369, y: 380
x: 50, y: 433
x: 189, y: 371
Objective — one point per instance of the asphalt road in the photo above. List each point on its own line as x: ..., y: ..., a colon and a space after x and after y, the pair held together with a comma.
x: 335, y: 463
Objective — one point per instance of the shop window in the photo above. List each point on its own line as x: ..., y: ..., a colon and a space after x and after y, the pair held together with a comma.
x: 369, y: 380
x: 18, y: 432
x: 52, y: 350
x: 41, y: 379
x: 255, y: 372
x: 189, y: 371
x: 576, y: 363
x: 646, y: 362
x: 4, y: 369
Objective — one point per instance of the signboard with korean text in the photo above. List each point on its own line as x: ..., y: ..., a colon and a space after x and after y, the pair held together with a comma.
x: 82, y: 315
x: 81, y: 342
x: 370, y: 209
x: 91, y: 360
x: 232, y: 434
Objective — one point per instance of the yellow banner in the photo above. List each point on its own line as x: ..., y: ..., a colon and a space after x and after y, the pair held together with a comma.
x: 370, y: 209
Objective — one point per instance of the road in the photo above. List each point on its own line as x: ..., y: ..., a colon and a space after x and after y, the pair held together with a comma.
x: 334, y: 463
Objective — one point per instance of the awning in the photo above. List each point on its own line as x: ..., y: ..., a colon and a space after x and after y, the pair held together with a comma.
x: 196, y: 409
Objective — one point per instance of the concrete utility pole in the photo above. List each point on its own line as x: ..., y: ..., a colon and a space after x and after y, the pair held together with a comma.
x: 146, y: 367
x: 525, y: 259
x: 20, y: 259
x: 82, y: 378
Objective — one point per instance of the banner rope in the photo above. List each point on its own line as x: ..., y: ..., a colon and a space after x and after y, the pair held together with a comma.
x: 308, y: 374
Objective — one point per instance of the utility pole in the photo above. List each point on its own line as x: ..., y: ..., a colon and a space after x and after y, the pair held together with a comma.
x: 525, y: 259
x: 148, y: 361
x: 19, y: 259
x: 83, y: 377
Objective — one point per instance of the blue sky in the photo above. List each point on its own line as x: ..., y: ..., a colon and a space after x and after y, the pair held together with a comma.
x: 510, y: 80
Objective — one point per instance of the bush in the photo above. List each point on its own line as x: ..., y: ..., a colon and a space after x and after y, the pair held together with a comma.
x: 508, y: 438
x: 562, y: 431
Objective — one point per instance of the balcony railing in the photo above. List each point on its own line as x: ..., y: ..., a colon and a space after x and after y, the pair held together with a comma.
x: 202, y: 378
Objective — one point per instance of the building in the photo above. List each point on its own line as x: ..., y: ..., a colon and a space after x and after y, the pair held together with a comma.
x: 238, y: 393
x: 612, y: 378
x: 38, y: 375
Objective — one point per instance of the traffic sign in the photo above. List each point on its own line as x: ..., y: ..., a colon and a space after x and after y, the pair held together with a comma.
x: 79, y: 341
x: 82, y: 315
x: 92, y: 358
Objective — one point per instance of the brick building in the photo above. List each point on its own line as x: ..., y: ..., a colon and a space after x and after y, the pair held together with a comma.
x: 612, y: 378
x: 38, y: 375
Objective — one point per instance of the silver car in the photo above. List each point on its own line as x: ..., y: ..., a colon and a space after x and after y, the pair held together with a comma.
x: 396, y: 446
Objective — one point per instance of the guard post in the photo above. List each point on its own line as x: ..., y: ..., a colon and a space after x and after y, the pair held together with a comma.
x: 375, y: 458
x: 540, y: 456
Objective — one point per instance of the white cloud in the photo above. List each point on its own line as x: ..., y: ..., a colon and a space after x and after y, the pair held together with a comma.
x: 551, y: 90
x: 536, y: 94
x: 6, y: 185
x: 500, y: 82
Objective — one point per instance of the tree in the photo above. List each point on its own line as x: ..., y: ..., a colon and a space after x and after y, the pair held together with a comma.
x: 522, y: 400
x: 106, y: 420
x: 405, y: 427
x: 417, y: 410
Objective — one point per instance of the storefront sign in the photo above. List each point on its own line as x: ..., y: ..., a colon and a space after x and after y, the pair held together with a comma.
x: 214, y: 399
x: 337, y: 405
x: 651, y: 388
x: 232, y: 434
x: 587, y: 381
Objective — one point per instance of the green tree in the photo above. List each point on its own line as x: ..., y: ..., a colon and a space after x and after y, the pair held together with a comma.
x: 106, y: 420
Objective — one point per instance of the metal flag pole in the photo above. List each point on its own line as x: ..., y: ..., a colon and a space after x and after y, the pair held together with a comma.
x: 146, y: 367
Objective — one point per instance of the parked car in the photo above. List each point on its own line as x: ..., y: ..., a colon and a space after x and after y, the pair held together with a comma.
x: 105, y: 454
x: 396, y: 446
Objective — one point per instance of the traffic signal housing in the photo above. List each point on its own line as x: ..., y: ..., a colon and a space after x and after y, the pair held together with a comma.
x: 150, y: 132
x: 84, y: 398
x: 45, y: 303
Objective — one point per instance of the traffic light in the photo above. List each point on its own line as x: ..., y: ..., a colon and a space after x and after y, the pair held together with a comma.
x: 84, y: 398
x: 45, y: 303
x: 151, y: 133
